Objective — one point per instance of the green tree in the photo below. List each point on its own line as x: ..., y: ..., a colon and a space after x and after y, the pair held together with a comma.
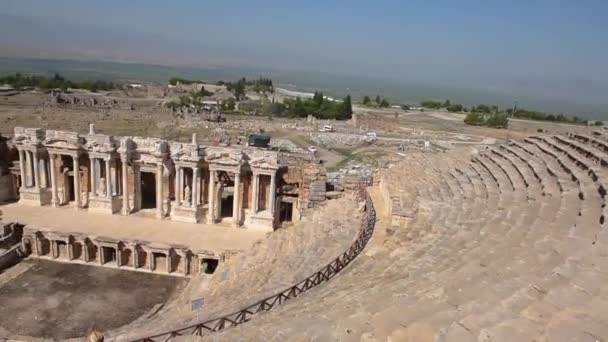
x: 384, y: 103
x: 229, y: 104
x: 366, y: 100
x: 454, y: 107
x: 497, y: 120
x: 431, y: 104
x: 318, y: 98
x: 347, y: 108
x: 474, y: 118
x: 377, y: 99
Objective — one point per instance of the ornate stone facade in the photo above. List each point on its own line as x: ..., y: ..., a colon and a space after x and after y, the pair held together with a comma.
x: 153, y: 177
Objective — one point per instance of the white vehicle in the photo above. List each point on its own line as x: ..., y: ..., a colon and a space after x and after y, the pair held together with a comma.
x: 312, y: 149
x: 326, y: 128
x: 371, y: 135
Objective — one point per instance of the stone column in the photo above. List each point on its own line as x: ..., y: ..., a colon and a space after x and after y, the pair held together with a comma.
x: 135, y: 256
x: 44, y: 177
x: 108, y: 179
x: 195, y: 176
x: 186, y: 263
x: 54, y: 199
x: 178, y: 187
x: 36, y: 171
x: 236, y: 202
x: 151, y: 260
x: 36, y: 245
x: 169, y: 261
x: 69, y: 249
x: 53, y: 246
x: 93, y: 170
x: 118, y: 256
x: 273, y: 193
x: 211, y: 211
x: 76, y: 180
x: 100, y: 254
x: 114, y: 181
x: 159, y: 190
x: 255, y: 192
x: 201, y: 194
x: 97, y: 175
x: 22, y: 169
x: 137, y: 187
x: 29, y: 172
x: 85, y: 250
x: 125, y: 186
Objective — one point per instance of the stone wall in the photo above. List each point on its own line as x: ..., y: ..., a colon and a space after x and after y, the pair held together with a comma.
x: 313, y: 186
x: 7, y: 188
x: 10, y: 238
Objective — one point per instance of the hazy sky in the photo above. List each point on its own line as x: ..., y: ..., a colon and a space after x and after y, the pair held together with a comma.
x: 494, y: 43
x: 538, y: 37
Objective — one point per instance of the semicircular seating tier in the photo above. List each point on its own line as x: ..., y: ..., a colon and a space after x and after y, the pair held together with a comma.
x: 506, y: 243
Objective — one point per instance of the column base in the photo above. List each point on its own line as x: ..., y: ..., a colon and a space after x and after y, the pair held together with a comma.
x: 104, y: 204
x: 33, y: 196
x: 262, y: 221
x: 186, y: 214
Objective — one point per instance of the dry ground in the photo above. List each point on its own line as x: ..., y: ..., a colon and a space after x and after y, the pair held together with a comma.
x: 59, y: 301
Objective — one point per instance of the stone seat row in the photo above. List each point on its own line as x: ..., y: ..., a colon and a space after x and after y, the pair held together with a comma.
x: 493, y: 253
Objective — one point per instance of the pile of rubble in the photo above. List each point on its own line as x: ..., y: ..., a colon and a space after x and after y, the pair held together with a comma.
x: 350, y: 175
x: 341, y: 139
x: 60, y: 98
x: 286, y: 145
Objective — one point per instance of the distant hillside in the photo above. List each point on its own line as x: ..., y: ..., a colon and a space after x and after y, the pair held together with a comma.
x: 336, y: 86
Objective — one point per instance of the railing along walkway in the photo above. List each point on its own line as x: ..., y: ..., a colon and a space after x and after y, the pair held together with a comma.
x: 266, y: 304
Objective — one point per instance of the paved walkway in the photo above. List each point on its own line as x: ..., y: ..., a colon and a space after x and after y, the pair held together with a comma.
x: 214, y: 238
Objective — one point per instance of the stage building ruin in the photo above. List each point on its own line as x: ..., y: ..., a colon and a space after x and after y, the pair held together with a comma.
x: 238, y: 186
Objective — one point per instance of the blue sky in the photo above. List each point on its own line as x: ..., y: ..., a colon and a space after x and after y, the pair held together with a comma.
x: 499, y: 44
